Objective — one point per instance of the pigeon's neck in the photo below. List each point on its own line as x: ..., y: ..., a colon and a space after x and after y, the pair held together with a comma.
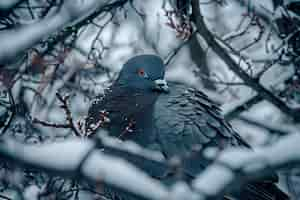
x: 135, y: 97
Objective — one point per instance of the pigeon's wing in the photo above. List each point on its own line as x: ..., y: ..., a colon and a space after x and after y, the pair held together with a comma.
x: 186, y: 118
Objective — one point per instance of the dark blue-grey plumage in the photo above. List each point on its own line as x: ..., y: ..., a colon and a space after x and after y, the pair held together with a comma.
x: 173, y: 120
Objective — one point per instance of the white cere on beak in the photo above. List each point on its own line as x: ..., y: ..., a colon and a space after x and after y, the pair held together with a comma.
x: 161, y: 85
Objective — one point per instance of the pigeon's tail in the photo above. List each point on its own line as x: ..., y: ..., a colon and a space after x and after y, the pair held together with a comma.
x: 262, y: 191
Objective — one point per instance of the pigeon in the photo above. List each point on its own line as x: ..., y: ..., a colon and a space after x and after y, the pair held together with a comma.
x: 172, y: 118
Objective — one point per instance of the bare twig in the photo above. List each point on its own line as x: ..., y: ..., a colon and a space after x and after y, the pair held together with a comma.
x: 49, y: 124
x: 242, y: 107
x: 198, y: 55
x: 65, y: 107
x: 70, y: 122
x: 174, y: 52
x: 275, y: 128
x: 13, y: 112
x: 5, y: 197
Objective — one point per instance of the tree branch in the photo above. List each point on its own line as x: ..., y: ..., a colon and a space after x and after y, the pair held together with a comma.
x: 14, y: 42
x: 87, y: 162
x: 13, y: 112
x: 64, y: 159
x: 279, y: 129
x: 8, y: 4
x: 226, y: 172
x: 222, y: 53
x: 245, y: 105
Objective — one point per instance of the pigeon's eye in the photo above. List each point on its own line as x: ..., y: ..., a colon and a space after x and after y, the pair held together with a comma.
x: 141, y: 72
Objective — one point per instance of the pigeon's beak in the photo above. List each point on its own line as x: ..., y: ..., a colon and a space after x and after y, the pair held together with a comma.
x: 161, y: 85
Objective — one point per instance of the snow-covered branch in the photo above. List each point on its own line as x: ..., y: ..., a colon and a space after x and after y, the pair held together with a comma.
x: 8, y: 4
x: 76, y: 158
x: 75, y: 10
x: 226, y: 171
x: 15, y: 41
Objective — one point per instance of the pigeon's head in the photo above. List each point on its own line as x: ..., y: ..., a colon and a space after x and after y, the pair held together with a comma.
x: 144, y: 72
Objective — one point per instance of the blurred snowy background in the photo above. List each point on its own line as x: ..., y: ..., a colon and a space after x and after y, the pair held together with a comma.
x: 53, y: 46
